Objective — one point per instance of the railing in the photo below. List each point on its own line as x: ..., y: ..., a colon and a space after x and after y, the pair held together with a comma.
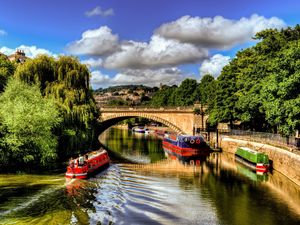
x: 267, y: 138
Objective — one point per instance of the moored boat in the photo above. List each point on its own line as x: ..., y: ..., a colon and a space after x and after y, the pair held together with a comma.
x: 253, y: 159
x: 185, y: 146
x: 139, y: 129
x: 84, y: 166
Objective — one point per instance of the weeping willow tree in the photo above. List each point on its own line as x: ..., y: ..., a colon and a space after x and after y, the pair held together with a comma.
x: 66, y: 81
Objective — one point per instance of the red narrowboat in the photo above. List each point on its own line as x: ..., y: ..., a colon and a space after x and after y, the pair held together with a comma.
x: 83, y: 166
x: 185, y: 146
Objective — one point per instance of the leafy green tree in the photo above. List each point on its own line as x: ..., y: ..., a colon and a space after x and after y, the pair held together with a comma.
x: 163, y: 97
x: 7, y: 69
x: 280, y: 91
x: 186, y: 93
x: 206, y: 90
x: 224, y: 103
x: 260, y: 86
x: 27, y: 121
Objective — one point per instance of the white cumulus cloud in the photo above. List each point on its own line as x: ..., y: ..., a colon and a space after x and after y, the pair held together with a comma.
x: 98, y: 79
x: 95, y: 42
x: 214, y: 65
x: 93, y: 63
x: 149, y: 77
x: 217, y: 32
x: 159, y: 52
x: 98, y: 11
x: 30, y: 51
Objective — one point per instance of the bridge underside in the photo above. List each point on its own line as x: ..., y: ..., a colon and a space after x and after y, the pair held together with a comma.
x: 108, y: 122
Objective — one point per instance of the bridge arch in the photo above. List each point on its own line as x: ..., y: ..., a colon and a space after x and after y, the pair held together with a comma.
x: 114, y: 119
x: 182, y: 120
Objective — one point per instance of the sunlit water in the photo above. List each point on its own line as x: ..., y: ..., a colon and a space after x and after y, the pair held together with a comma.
x: 154, y: 191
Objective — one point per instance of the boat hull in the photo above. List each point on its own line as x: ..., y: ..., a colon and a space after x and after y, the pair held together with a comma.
x: 192, y: 149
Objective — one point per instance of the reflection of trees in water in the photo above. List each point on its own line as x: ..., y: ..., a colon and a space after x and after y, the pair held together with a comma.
x: 238, y: 199
x: 127, y: 143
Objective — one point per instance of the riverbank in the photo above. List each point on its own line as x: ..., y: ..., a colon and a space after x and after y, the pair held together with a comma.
x: 283, y: 161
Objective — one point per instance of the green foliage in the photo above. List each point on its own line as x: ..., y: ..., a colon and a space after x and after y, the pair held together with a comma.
x: 207, y: 90
x: 281, y: 93
x: 224, y: 103
x: 66, y: 81
x: 117, y: 102
x: 197, y: 111
x: 145, y: 99
x: 164, y: 97
x: 186, y: 93
x: 27, y: 121
x: 40, y: 70
x: 7, y: 69
x: 260, y: 86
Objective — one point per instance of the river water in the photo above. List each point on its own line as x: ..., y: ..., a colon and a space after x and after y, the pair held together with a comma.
x: 152, y: 190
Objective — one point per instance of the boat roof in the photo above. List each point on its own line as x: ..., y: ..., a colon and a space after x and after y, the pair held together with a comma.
x: 193, y: 136
x: 249, y: 150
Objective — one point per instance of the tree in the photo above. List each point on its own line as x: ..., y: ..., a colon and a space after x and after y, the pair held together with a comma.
x: 280, y: 91
x: 206, y: 90
x: 27, y: 122
x: 260, y: 86
x: 186, y: 93
x: 224, y: 104
x: 163, y: 97
x: 7, y: 69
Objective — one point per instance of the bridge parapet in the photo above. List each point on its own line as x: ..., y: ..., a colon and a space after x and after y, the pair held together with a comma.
x: 152, y: 109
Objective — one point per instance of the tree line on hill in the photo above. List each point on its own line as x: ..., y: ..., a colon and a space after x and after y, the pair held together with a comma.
x: 47, y: 111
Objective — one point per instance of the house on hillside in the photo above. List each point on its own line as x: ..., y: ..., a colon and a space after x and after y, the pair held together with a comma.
x: 19, y: 56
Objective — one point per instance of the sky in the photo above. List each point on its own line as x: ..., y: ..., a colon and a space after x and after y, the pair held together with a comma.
x: 141, y: 41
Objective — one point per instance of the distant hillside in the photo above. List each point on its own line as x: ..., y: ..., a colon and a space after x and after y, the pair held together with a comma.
x: 125, y: 87
x: 124, y: 95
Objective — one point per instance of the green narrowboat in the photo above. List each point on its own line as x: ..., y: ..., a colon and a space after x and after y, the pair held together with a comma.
x: 253, y: 158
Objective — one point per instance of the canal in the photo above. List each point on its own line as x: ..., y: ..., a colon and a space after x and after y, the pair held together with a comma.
x: 143, y: 186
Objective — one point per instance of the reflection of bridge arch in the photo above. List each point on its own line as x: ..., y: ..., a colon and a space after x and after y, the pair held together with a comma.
x: 180, y: 119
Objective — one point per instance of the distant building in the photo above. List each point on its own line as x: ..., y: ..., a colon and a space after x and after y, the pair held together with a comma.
x: 18, y: 56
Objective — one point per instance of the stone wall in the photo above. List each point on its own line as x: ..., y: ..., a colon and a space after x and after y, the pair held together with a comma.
x: 285, y: 162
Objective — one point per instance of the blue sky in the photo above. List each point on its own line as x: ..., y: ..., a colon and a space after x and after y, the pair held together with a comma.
x: 141, y: 42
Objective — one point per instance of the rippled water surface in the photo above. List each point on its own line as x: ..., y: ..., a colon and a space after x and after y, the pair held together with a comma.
x: 155, y: 190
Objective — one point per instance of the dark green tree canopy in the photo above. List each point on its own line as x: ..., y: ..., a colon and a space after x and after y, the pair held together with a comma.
x: 260, y: 86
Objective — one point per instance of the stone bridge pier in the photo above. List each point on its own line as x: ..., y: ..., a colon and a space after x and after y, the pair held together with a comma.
x: 182, y: 120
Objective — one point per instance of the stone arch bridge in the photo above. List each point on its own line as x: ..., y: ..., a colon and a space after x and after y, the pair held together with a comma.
x: 180, y: 119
